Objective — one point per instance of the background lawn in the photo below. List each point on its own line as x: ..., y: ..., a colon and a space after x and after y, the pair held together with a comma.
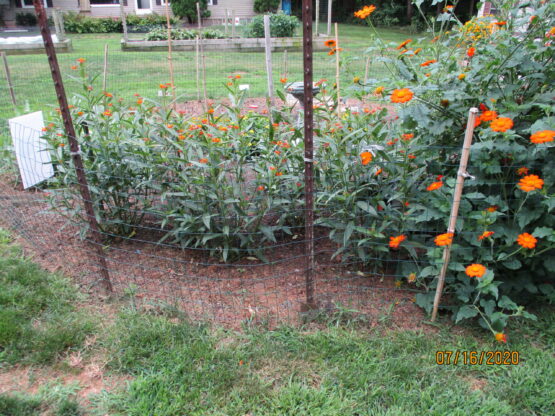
x: 338, y: 366
x: 142, y: 72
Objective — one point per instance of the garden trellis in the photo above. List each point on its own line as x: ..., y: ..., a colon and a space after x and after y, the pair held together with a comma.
x: 231, y: 213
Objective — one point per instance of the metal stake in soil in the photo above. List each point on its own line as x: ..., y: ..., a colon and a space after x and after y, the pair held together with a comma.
x: 308, y: 152
x: 73, y: 145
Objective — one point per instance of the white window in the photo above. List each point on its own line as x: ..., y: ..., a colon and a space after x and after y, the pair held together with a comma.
x: 28, y: 4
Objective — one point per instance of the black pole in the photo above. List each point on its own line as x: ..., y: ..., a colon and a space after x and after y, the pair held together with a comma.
x: 308, y: 152
x: 73, y: 145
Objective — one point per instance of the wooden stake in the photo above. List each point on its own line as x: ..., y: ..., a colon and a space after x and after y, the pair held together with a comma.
x: 317, y: 18
x: 233, y: 23
x: 285, y: 63
x: 170, y: 59
x: 123, y: 21
x: 461, y: 175
x: 337, y: 70
x: 204, y: 79
x: 268, y: 49
x: 198, y: 16
x: 366, y: 70
x: 197, y: 61
x: 329, y: 17
x: 105, y: 71
x: 8, y: 78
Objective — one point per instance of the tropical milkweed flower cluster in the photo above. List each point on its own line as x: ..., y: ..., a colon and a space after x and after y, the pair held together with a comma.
x: 395, y: 242
x: 365, y: 12
x: 486, y: 234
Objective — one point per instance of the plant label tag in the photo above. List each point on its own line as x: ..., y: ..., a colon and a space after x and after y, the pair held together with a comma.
x: 244, y: 87
x: 31, y: 151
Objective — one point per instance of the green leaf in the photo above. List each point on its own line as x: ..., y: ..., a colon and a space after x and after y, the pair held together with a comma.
x: 365, y: 206
x: 542, y: 232
x: 488, y: 305
x: 512, y: 264
x: 506, y: 303
x: 466, y: 312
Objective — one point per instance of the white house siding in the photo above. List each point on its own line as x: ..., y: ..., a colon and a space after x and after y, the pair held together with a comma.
x: 243, y: 8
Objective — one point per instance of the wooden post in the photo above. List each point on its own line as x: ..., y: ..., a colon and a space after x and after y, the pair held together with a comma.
x: 204, y: 78
x: 170, y: 59
x: 461, y: 175
x: 197, y: 62
x: 8, y: 78
x: 123, y: 21
x: 75, y: 151
x: 366, y: 70
x: 233, y: 23
x: 337, y: 70
x: 198, y: 16
x: 105, y: 71
x: 329, y: 17
x: 62, y: 32
x: 268, y: 48
x: 317, y: 18
x: 285, y: 63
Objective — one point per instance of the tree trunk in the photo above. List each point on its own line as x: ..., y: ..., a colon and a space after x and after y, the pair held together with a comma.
x: 409, y: 11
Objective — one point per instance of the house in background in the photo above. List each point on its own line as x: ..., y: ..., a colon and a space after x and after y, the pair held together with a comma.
x: 244, y: 9
x: 488, y: 8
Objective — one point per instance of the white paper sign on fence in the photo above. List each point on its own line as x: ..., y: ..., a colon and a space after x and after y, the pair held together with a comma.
x: 31, y: 151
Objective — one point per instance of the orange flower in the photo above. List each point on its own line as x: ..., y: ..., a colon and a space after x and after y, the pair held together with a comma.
x: 407, y: 136
x: 501, y: 337
x: 279, y: 173
x: 366, y: 158
x: 501, y: 24
x: 435, y: 185
x: 80, y: 113
x: 522, y: 171
x: 444, y: 239
x: 486, y: 234
x: 527, y: 240
x: 401, y: 96
x: 283, y: 80
x: 404, y: 44
x: 470, y: 52
x: 216, y: 140
x: 378, y: 172
x: 260, y: 188
x: 163, y: 86
x: 81, y: 60
x: 107, y: 113
x: 530, y: 183
x: 417, y: 51
x: 431, y: 61
x: 543, y: 136
x: 475, y: 270
x: 493, y: 208
x: 461, y: 76
x: 330, y: 43
x: 108, y: 94
x: 74, y: 67
x: 379, y: 90
x: 488, y: 115
x: 501, y: 124
x: 365, y: 12
x: 395, y: 242
x: 140, y: 101
x: 334, y: 50
x: 203, y: 160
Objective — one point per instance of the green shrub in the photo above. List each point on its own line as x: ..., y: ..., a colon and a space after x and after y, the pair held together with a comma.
x: 281, y: 26
x: 78, y: 23
x: 183, y: 34
x: 25, y: 19
x: 188, y: 9
x: 265, y: 6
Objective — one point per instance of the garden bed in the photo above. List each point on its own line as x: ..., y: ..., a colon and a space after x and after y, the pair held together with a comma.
x: 231, y: 45
x: 31, y: 45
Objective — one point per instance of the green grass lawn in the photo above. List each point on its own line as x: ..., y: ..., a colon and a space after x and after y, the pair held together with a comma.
x: 142, y: 72
x: 178, y: 367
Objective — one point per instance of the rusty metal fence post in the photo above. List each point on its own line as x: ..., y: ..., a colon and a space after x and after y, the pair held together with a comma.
x: 308, y: 152
x: 73, y: 144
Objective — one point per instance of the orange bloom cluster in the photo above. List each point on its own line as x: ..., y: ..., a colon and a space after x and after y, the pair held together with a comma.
x: 395, y: 242
x: 434, y: 185
x: 501, y: 337
x: 81, y: 60
x: 475, y: 270
x: 530, y: 183
x: 407, y: 136
x: 379, y: 90
x: 527, y: 240
x: 522, y: 171
x: 444, y: 239
x: 365, y: 12
x: 471, y: 52
x: 366, y: 158
x: 488, y: 115
x: 501, y: 124
x: 431, y: 61
x: 486, y: 234
x: 402, y: 95
x: 404, y: 44
x: 543, y: 136
x: 330, y: 43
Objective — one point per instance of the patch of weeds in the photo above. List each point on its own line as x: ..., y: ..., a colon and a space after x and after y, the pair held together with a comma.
x: 19, y: 405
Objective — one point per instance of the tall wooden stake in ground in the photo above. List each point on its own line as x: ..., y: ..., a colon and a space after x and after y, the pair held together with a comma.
x: 308, y: 152
x: 337, y: 71
x: 8, y: 78
x: 268, y: 49
x: 461, y: 175
x: 170, y: 57
x: 75, y: 151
